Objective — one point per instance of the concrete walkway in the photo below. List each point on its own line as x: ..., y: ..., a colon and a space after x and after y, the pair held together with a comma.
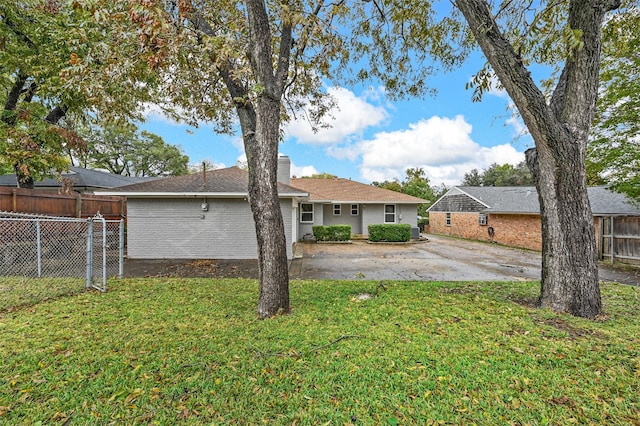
x: 437, y: 259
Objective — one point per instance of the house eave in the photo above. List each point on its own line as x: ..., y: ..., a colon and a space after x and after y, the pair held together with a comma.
x: 196, y: 194
x: 486, y: 211
x: 365, y: 202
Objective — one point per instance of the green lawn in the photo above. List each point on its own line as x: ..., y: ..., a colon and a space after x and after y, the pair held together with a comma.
x: 190, y: 351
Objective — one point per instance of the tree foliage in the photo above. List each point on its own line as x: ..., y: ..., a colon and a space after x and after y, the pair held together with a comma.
x: 124, y: 150
x: 417, y: 184
x: 613, y: 157
x: 499, y: 175
x: 59, y: 60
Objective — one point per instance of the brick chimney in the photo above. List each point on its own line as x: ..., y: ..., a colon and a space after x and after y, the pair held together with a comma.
x: 284, y: 169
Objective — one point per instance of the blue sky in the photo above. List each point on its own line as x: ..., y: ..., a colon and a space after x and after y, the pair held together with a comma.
x: 374, y: 139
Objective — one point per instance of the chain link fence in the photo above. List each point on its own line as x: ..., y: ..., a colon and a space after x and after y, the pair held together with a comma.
x: 43, y: 256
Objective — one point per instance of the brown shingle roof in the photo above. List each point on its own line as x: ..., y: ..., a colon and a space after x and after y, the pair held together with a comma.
x: 231, y: 180
x: 340, y: 190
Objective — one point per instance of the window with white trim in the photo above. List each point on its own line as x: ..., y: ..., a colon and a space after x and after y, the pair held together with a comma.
x: 482, y: 219
x: 337, y: 209
x: 389, y: 213
x: 306, y: 213
x: 355, y: 210
x: 447, y: 220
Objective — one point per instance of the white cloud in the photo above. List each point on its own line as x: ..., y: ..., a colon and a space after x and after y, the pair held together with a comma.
x: 351, y: 117
x: 442, y: 146
x: 156, y: 113
x: 301, y: 171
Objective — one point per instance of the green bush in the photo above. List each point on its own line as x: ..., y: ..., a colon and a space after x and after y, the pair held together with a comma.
x: 332, y: 232
x: 422, y: 223
x: 390, y: 233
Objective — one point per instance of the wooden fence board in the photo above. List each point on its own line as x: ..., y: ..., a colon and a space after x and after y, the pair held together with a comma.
x: 21, y: 200
x: 622, y: 243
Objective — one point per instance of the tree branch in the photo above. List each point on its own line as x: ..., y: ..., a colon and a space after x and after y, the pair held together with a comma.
x: 10, y: 105
x: 286, y: 44
x: 260, y: 53
x: 508, y: 66
x: 56, y: 114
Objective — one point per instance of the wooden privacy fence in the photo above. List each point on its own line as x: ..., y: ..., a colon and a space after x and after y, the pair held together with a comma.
x: 22, y: 200
x: 621, y: 239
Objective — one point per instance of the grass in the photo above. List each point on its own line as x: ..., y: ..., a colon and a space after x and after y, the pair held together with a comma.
x: 190, y: 351
x: 20, y: 291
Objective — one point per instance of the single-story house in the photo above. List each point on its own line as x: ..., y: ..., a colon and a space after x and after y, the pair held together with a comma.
x: 338, y: 201
x: 199, y: 216
x: 207, y: 215
x: 511, y: 216
x: 78, y: 179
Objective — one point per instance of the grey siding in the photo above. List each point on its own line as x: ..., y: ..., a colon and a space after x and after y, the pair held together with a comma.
x: 178, y: 229
x: 408, y: 213
x: 373, y: 214
x: 368, y: 214
x: 344, y: 218
x: 318, y: 219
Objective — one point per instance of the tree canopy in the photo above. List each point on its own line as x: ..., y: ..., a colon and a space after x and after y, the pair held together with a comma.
x: 499, y: 175
x: 613, y: 156
x: 62, y: 62
x: 415, y: 183
x: 124, y: 150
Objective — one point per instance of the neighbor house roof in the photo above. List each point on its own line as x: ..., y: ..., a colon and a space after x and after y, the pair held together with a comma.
x: 524, y: 200
x: 229, y: 182
x: 339, y: 190
x: 81, y: 177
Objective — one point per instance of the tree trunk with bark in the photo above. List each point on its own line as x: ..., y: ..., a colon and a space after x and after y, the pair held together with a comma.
x: 569, y: 281
x: 262, y: 158
x: 260, y: 123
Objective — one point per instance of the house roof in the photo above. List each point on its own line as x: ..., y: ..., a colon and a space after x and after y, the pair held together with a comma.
x: 524, y: 200
x: 229, y: 182
x: 339, y: 190
x: 82, y: 178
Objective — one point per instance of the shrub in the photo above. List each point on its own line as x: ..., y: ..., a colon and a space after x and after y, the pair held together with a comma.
x: 422, y: 223
x: 332, y: 232
x: 390, y: 233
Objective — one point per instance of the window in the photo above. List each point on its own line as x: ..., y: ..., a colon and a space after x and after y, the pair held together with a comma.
x: 447, y: 221
x: 336, y: 210
x: 354, y: 210
x: 389, y: 213
x: 306, y: 213
x: 482, y: 219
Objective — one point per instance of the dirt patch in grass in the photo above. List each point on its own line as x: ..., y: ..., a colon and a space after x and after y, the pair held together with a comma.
x: 191, y: 268
x: 573, y: 332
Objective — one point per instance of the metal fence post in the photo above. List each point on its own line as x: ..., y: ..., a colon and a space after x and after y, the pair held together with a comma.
x: 121, y: 250
x: 39, y: 248
x: 104, y: 252
x: 89, y: 253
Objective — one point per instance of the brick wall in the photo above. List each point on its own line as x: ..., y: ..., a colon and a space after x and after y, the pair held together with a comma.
x: 517, y: 230
x: 512, y: 230
x: 509, y: 229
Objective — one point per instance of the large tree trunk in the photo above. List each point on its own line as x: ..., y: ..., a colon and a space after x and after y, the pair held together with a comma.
x: 569, y: 281
x: 260, y: 124
x: 260, y: 132
x: 262, y: 157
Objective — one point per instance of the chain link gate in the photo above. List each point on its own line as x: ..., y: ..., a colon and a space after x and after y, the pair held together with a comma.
x: 72, y: 250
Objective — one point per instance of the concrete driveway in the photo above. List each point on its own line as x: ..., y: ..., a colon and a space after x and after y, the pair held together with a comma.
x: 438, y: 259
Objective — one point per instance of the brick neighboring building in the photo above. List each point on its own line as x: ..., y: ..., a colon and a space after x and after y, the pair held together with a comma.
x: 511, y: 215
